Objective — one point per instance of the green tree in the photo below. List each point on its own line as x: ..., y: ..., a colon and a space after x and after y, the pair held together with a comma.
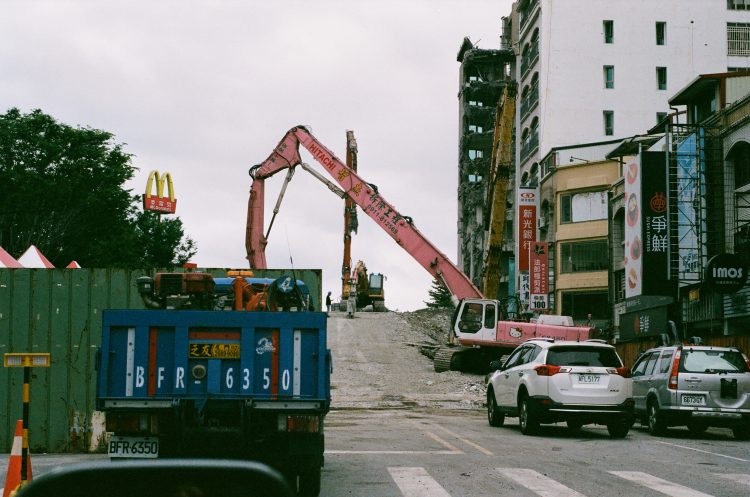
x: 440, y: 296
x: 62, y: 189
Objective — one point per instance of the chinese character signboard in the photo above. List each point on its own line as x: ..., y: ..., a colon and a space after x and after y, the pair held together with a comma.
x: 647, y: 242
x: 539, y: 276
x: 655, y: 226
x: 528, y: 200
x: 524, y: 289
x: 159, y: 203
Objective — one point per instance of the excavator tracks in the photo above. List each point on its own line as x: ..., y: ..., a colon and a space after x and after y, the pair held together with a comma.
x: 444, y: 359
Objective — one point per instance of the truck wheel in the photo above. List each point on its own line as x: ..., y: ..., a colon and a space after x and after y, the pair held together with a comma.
x: 309, y: 481
x: 527, y: 417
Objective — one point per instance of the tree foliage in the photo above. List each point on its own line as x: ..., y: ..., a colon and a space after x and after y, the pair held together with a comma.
x: 440, y: 296
x: 62, y: 189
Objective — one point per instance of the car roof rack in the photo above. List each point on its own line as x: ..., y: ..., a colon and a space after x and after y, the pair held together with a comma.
x: 596, y: 340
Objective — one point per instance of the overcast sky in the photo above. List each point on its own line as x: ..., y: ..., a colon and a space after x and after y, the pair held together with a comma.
x: 205, y: 90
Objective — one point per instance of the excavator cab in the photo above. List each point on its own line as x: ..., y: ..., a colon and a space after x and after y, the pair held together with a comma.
x: 476, y: 319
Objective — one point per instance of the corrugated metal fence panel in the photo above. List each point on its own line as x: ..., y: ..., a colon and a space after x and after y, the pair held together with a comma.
x: 60, y: 311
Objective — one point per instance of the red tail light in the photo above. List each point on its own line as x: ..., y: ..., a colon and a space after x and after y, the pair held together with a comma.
x: 547, y: 370
x: 624, y: 372
x: 672, y: 384
x: 746, y: 360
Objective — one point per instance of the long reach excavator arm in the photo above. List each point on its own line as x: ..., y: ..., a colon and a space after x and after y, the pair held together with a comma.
x: 286, y: 155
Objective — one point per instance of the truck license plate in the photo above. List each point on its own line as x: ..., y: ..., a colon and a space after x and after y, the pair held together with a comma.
x: 588, y: 378
x: 694, y: 400
x: 137, y: 447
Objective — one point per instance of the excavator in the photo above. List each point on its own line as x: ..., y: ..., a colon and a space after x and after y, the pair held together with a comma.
x: 480, y: 332
x: 369, y: 288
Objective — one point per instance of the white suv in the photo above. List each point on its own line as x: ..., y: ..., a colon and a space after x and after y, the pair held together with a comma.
x: 547, y: 381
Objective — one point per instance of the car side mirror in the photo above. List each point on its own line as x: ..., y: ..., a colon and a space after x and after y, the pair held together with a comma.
x: 159, y: 478
x: 496, y: 366
x: 469, y: 326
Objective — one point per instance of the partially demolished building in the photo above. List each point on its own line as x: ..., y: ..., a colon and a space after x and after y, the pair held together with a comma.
x: 484, y: 74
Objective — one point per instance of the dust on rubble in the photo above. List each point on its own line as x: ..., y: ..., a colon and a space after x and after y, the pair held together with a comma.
x: 425, y: 330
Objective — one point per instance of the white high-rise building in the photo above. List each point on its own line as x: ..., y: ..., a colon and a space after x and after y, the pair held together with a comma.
x: 596, y: 70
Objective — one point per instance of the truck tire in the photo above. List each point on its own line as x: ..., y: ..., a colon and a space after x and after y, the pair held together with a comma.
x: 309, y: 481
x: 378, y: 306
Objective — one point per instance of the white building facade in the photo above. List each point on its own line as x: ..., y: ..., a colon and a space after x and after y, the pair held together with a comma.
x: 597, y: 70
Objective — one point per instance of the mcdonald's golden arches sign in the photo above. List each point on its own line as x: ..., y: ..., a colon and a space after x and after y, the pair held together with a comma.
x: 158, y: 202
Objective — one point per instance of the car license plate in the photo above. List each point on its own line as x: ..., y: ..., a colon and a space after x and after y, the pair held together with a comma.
x: 588, y: 378
x: 138, y: 447
x: 694, y: 400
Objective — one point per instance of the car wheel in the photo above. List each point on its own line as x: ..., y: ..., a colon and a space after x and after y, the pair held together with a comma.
x: 741, y: 432
x: 656, y: 423
x: 494, y: 416
x: 697, y: 428
x: 574, y: 425
x: 619, y: 429
x: 527, y: 417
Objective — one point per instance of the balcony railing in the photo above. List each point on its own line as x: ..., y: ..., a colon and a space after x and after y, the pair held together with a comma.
x: 530, y: 101
x: 528, y: 147
x: 526, y: 13
x: 529, y: 58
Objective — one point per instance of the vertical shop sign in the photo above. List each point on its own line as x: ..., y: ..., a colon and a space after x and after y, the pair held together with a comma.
x: 528, y: 203
x: 539, y: 276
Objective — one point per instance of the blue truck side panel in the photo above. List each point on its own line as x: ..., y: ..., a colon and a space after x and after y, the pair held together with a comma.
x: 158, y: 354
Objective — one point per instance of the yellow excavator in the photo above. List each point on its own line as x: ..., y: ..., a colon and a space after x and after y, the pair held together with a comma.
x: 500, y: 167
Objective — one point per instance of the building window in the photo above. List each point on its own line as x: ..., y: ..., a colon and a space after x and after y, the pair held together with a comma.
x: 738, y: 5
x: 475, y: 103
x: 475, y: 178
x: 660, y: 116
x: 583, y: 206
x: 474, y: 128
x: 581, y: 304
x: 738, y: 38
x: 476, y: 154
x: 609, y: 31
x: 609, y: 76
x: 609, y: 122
x: 661, y: 78
x: 661, y: 33
x: 581, y: 257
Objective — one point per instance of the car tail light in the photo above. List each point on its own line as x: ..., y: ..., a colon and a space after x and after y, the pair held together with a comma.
x: 672, y: 385
x: 547, y: 370
x: 624, y: 372
x: 746, y: 360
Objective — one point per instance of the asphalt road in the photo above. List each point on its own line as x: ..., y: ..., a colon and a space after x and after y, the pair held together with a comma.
x: 399, y: 429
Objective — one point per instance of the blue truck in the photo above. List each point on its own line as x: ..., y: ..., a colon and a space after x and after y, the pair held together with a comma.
x: 198, y: 380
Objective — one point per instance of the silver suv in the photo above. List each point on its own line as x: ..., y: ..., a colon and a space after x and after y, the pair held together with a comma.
x: 695, y: 386
x: 546, y: 381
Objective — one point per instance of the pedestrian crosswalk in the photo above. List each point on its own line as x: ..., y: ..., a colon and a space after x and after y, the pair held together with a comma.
x: 418, y: 482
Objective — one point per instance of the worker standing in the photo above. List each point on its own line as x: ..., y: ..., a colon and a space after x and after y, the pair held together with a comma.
x: 328, y: 303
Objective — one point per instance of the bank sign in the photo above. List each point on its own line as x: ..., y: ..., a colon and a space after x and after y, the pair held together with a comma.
x: 726, y: 273
x: 528, y: 206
